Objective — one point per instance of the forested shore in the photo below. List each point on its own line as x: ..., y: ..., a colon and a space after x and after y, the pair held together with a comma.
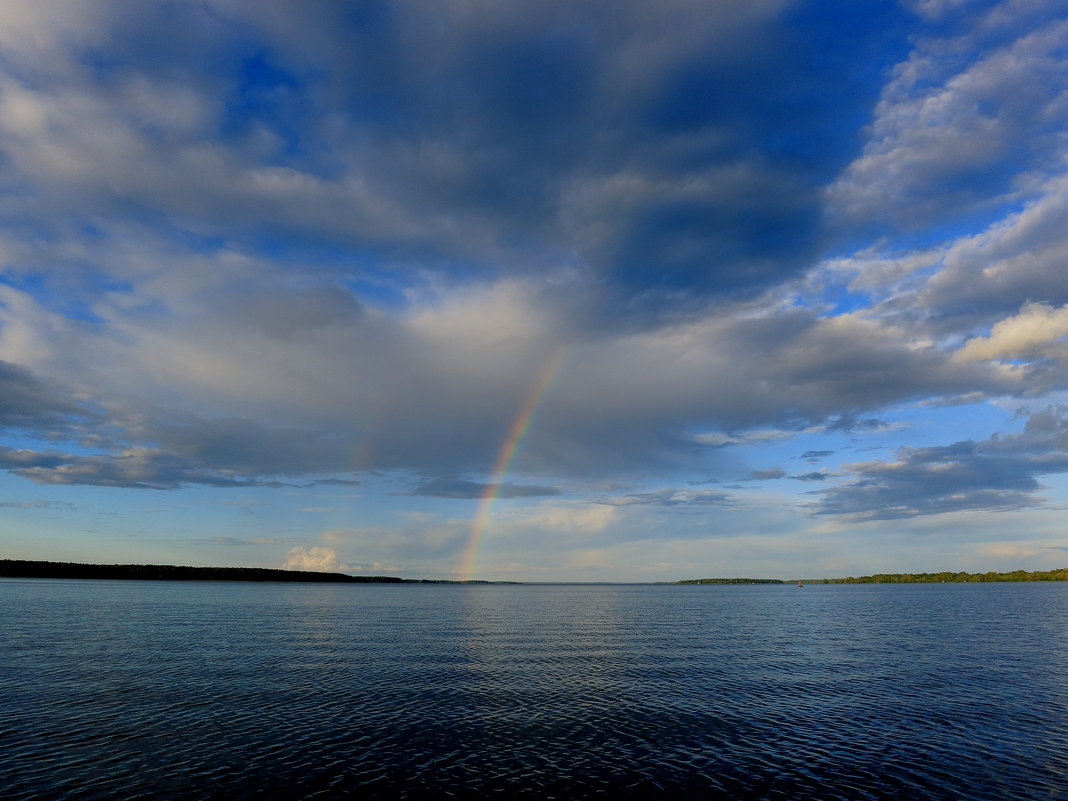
x: 944, y: 577
x: 730, y: 581
x: 22, y: 568
x: 949, y: 577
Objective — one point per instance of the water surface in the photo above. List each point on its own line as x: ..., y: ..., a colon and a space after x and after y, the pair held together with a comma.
x: 196, y: 690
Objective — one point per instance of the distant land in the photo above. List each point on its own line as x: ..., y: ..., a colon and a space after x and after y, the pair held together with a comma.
x: 24, y: 568
x: 730, y: 581
x: 21, y: 568
x: 945, y: 577
x: 1060, y: 574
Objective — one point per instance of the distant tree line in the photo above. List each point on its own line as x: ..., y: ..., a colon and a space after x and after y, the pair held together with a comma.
x: 731, y: 581
x: 953, y: 577
x: 21, y: 568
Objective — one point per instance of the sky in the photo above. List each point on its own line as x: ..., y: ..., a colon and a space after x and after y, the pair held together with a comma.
x: 541, y: 291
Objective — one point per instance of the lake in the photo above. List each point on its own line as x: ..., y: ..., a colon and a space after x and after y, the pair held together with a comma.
x: 197, y: 690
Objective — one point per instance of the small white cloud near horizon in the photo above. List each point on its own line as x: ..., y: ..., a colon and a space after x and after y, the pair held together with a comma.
x: 1013, y: 550
x: 316, y: 558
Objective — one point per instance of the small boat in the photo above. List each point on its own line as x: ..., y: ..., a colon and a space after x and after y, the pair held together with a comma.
x: 800, y: 583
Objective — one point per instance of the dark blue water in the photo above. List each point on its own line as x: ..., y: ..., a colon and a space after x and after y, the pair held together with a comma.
x: 159, y: 690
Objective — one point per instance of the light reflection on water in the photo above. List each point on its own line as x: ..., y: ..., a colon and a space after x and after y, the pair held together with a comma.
x: 275, y: 691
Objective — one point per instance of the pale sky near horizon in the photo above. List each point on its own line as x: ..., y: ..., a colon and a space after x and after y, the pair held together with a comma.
x: 632, y: 291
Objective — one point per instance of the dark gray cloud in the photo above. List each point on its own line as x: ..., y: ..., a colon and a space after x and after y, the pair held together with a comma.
x: 27, y: 402
x: 814, y: 455
x: 444, y: 487
x: 640, y: 142
x: 155, y: 449
x: 135, y: 469
x: 815, y: 475
x: 997, y: 474
x: 764, y: 475
x: 244, y: 447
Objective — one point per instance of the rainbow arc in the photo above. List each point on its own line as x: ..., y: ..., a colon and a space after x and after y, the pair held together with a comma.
x: 516, y: 432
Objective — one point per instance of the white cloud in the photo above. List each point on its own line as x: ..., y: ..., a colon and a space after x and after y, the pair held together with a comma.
x: 948, y: 136
x: 1025, y: 334
x: 316, y: 558
x: 1011, y: 550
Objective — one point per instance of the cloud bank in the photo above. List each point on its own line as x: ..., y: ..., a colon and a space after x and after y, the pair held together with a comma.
x: 374, y: 250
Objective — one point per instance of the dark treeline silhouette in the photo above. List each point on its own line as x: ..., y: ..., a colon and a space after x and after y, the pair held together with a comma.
x: 21, y: 568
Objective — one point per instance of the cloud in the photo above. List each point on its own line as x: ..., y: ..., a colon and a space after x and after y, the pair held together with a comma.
x: 813, y: 476
x: 418, y: 539
x: 29, y: 403
x: 316, y: 558
x: 1010, y: 550
x: 716, y: 439
x: 403, y: 136
x: 764, y: 475
x: 672, y: 497
x: 305, y: 257
x: 255, y: 247
x: 552, y: 517
x: 996, y: 474
x: 202, y: 396
x: 134, y: 468
x: 36, y: 505
x: 239, y: 542
x: 458, y: 488
x: 1026, y: 334
x: 959, y: 122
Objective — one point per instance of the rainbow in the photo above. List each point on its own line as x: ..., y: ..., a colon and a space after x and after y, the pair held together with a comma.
x: 507, y: 452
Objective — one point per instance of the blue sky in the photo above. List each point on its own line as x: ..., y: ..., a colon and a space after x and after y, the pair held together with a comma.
x: 761, y: 288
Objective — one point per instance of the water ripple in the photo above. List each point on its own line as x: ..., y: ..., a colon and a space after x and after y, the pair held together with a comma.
x: 210, y: 691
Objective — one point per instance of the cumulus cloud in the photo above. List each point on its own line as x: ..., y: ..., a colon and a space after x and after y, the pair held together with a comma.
x: 316, y: 558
